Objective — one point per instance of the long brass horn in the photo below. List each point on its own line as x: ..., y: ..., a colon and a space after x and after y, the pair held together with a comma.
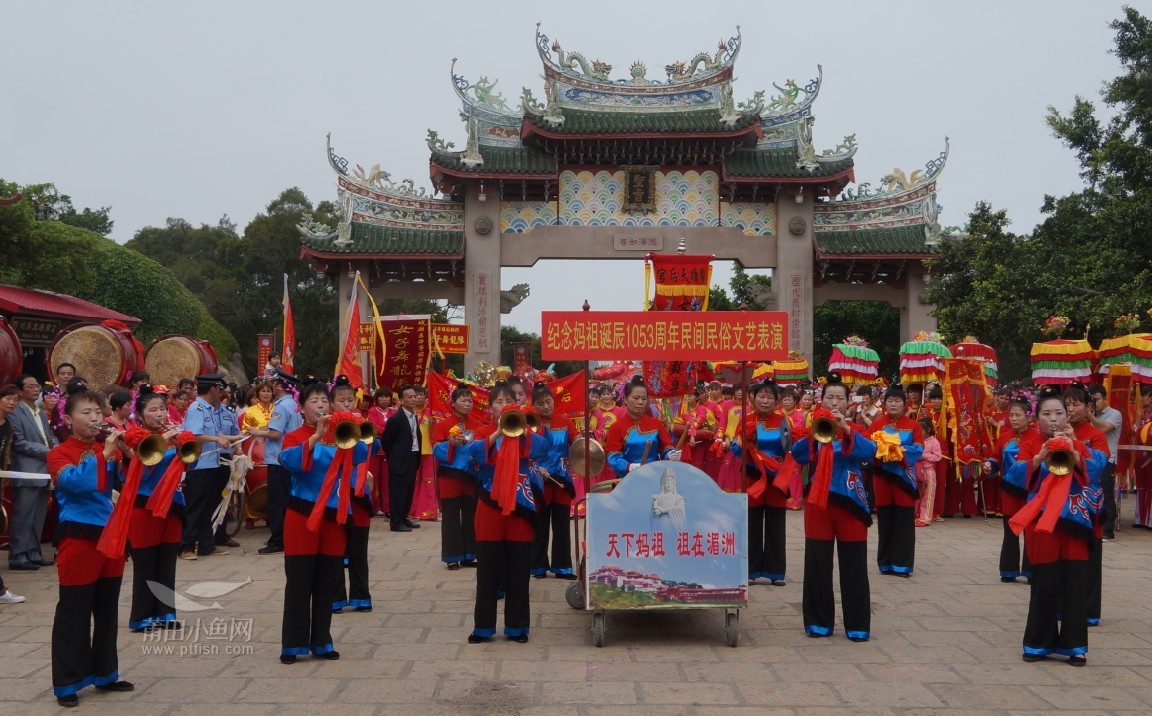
x: 346, y: 434
x: 1061, y: 462
x: 824, y: 430
x: 367, y: 432
x: 151, y: 450
x: 533, y: 420
x: 513, y: 424
x: 189, y: 452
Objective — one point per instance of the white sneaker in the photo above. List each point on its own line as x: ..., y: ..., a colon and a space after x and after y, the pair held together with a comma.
x: 9, y: 598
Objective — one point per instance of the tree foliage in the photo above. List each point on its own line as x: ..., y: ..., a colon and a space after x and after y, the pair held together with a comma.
x: 875, y: 321
x: 55, y: 256
x: 1089, y: 259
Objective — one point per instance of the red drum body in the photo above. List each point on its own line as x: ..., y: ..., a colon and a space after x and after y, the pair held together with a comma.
x: 106, y: 353
x: 173, y: 357
x: 11, y: 354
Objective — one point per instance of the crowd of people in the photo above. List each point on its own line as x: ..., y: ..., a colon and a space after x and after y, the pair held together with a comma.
x: 501, y: 487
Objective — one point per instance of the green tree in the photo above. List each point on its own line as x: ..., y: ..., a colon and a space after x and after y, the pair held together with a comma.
x: 47, y: 198
x: 54, y: 256
x: 875, y: 321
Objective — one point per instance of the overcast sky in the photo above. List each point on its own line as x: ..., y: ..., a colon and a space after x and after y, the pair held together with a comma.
x: 196, y: 110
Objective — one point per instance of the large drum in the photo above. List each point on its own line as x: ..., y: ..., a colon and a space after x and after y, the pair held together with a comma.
x: 106, y: 354
x: 11, y: 354
x: 174, y: 357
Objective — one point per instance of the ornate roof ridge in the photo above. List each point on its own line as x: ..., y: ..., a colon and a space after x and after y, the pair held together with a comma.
x: 788, y: 106
x: 575, y: 66
x: 483, y: 98
x: 897, y: 186
x: 376, y: 180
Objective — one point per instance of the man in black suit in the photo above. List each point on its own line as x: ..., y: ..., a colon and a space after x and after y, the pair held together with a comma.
x: 401, y: 440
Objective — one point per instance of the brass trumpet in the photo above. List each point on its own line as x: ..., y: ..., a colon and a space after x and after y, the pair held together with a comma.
x: 533, y: 420
x: 513, y: 423
x: 1061, y: 462
x: 151, y: 450
x: 189, y: 452
x: 824, y: 430
x: 367, y: 432
x: 346, y: 434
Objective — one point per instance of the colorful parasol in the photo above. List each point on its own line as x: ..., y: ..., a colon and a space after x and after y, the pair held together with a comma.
x: 922, y: 359
x: 1061, y: 362
x: 791, y: 371
x: 855, y: 361
x: 971, y: 348
x: 1134, y: 349
x: 763, y: 372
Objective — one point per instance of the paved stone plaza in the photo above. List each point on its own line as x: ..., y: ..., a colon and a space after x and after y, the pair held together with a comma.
x: 947, y: 639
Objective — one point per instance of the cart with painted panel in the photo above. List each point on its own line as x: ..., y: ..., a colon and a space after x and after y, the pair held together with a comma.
x: 664, y: 537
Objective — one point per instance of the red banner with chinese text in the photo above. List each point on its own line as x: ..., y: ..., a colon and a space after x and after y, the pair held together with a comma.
x: 570, y: 394
x: 264, y: 349
x: 681, y: 283
x: 520, y: 362
x: 451, y: 337
x: 655, y: 335
x: 404, y: 358
x: 966, y: 391
x: 440, y: 389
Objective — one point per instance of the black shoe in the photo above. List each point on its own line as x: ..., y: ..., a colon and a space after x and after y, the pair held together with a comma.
x: 401, y: 528
x: 329, y: 656
x: 338, y: 610
x: 453, y: 566
x: 270, y: 550
x: 228, y: 543
x: 1033, y: 658
x: 857, y: 639
x: 468, y: 563
x: 775, y: 582
x: 542, y: 575
x: 116, y: 686
x: 1008, y: 580
x: 567, y: 577
x: 70, y: 701
x: 363, y: 609
x: 413, y: 525
x: 44, y: 562
x: 474, y: 639
x: 1077, y: 660
x: 24, y: 566
x: 905, y: 575
x: 522, y: 639
x: 287, y: 658
x: 172, y: 624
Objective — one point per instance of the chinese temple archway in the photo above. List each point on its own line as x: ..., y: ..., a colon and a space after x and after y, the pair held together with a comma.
x: 612, y: 169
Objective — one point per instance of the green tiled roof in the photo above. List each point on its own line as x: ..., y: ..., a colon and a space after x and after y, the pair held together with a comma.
x: 503, y: 160
x: 894, y: 240
x: 780, y: 162
x: 374, y: 239
x: 701, y: 121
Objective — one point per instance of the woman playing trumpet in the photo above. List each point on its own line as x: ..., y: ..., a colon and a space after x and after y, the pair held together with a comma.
x: 553, y: 514
x: 1059, y: 531
x: 836, y: 517
x: 505, y: 516
x: 157, y: 516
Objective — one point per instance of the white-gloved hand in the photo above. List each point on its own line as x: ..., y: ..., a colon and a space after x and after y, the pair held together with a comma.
x: 674, y: 455
x: 632, y: 466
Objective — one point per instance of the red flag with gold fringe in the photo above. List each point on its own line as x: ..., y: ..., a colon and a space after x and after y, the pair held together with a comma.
x: 966, y: 393
x: 440, y: 389
x: 680, y: 283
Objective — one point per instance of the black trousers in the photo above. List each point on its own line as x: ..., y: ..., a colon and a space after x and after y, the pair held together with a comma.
x: 505, y: 563
x: 401, y: 489
x: 1012, y: 564
x: 555, y: 519
x: 1057, y: 608
x: 895, y: 538
x: 1109, y: 513
x: 767, y: 554
x: 84, y: 635
x: 819, y: 599
x: 202, y: 495
x: 457, y: 519
x: 1095, y: 579
x: 357, y: 593
x: 279, y: 483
